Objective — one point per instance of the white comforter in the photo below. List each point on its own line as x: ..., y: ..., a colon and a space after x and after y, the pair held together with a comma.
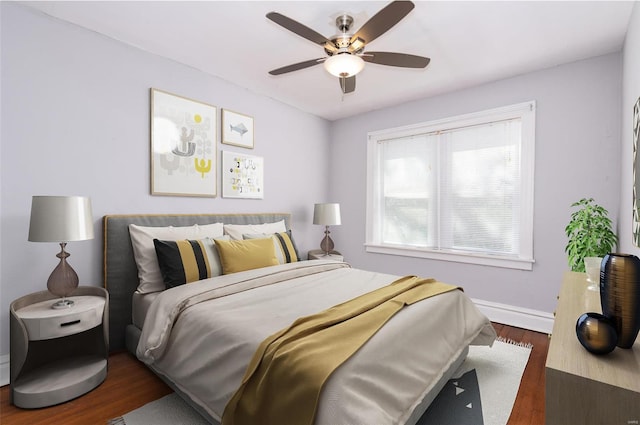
x: 202, y: 336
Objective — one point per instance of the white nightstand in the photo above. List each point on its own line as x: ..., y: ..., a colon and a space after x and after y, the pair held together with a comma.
x: 57, y: 355
x: 318, y: 254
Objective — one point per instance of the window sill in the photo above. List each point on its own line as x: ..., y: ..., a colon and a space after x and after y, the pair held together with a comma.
x: 459, y: 257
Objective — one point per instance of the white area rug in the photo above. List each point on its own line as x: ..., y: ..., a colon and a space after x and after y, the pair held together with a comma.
x: 499, y: 370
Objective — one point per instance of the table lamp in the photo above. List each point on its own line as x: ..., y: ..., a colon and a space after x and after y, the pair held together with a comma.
x: 61, y: 219
x: 327, y: 215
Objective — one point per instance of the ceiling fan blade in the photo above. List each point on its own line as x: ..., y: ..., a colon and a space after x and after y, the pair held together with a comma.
x: 403, y: 60
x: 382, y: 21
x: 348, y: 85
x: 297, y: 28
x: 296, y: 66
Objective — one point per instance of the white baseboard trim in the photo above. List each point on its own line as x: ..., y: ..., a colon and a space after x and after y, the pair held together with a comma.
x: 535, y: 320
x: 4, y: 370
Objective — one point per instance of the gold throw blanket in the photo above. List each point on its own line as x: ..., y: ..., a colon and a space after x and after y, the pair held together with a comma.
x: 283, y: 381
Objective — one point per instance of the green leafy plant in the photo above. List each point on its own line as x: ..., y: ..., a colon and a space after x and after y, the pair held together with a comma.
x: 589, y: 232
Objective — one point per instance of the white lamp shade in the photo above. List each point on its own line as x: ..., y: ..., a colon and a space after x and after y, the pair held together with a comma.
x: 60, y: 219
x: 326, y: 214
x: 344, y: 65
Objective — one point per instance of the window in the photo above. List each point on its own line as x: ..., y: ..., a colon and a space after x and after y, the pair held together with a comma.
x: 458, y: 189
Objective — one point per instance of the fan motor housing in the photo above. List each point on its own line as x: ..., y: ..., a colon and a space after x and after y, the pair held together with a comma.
x: 342, y: 41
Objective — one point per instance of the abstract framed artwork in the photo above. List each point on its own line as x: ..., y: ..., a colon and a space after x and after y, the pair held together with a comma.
x: 242, y: 176
x: 183, y: 146
x: 636, y: 171
x: 237, y: 129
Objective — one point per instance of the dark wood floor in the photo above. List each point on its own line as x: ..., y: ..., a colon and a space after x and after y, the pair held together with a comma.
x: 130, y: 384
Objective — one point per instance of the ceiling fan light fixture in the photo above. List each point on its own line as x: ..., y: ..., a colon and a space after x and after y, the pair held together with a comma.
x: 345, y: 51
x: 344, y: 65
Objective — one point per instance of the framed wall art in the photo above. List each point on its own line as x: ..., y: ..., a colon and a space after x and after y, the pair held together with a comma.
x: 237, y: 129
x: 242, y: 176
x: 183, y: 146
x: 636, y: 173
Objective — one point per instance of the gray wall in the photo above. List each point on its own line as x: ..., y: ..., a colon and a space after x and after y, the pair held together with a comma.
x: 75, y: 121
x: 630, y: 94
x: 577, y: 155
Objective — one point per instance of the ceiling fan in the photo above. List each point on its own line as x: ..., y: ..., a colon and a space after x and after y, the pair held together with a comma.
x: 345, y: 51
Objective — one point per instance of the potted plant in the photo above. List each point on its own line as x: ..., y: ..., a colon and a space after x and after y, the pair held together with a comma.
x: 590, y: 234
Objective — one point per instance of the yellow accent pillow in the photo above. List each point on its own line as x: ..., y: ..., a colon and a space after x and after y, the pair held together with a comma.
x: 240, y: 255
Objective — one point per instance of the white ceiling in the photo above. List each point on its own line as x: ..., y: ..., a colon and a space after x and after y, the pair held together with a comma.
x: 469, y: 43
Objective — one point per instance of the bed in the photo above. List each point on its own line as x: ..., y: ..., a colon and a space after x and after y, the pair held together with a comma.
x: 199, y: 338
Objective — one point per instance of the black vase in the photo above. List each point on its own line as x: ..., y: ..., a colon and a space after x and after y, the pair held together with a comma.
x: 620, y: 295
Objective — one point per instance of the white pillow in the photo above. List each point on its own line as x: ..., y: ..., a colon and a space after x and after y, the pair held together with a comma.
x: 237, y: 230
x: 144, y: 251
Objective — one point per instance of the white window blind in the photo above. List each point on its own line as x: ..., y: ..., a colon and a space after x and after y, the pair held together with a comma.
x: 457, y: 187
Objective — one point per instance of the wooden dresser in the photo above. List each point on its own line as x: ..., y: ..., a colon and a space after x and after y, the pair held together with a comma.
x: 582, y: 388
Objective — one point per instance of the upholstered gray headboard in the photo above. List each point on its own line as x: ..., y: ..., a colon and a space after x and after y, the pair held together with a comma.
x: 120, y: 270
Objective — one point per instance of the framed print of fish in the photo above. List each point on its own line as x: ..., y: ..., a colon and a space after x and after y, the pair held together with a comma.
x: 183, y: 146
x: 237, y: 129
